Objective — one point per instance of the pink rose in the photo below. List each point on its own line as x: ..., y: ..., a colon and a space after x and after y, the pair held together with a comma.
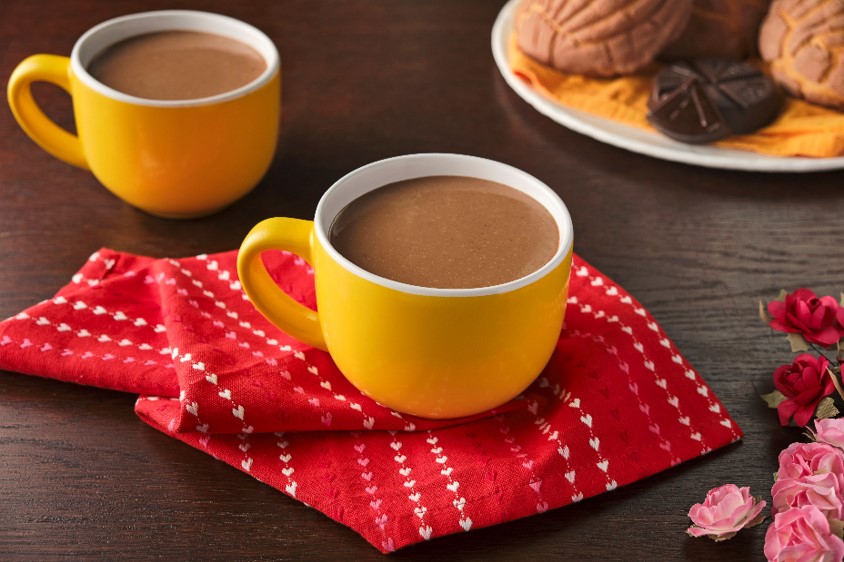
x: 830, y: 431
x: 800, y: 460
x: 726, y: 510
x: 820, y: 492
x: 802, y: 534
x: 818, y: 320
x: 804, y: 383
x: 810, y: 474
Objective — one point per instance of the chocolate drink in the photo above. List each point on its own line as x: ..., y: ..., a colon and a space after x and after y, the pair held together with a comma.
x: 177, y: 65
x: 446, y: 232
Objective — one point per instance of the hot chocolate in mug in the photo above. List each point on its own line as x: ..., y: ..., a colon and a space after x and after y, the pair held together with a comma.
x: 171, y: 158
x: 430, y: 352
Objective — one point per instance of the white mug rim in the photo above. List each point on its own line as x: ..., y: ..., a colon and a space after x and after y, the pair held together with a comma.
x: 552, y: 203
x: 132, y: 25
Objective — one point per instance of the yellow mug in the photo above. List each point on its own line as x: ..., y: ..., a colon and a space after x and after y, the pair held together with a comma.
x: 174, y: 158
x: 435, y: 353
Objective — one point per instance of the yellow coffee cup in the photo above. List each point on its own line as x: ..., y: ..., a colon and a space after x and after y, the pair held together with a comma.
x: 171, y: 158
x: 431, y: 352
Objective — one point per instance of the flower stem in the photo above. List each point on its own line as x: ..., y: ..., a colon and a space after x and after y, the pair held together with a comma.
x: 815, y: 347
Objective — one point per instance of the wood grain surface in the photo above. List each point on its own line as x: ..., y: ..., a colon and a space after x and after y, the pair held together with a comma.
x: 82, y: 477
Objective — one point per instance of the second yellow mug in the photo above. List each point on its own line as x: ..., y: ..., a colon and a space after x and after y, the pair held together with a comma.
x: 172, y: 158
x: 436, y: 353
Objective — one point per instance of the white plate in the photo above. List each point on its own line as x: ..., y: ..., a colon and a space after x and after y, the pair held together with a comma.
x: 638, y: 140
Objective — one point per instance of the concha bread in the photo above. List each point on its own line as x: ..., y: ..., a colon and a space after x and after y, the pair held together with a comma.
x: 598, y: 37
x: 803, y: 40
x: 719, y: 28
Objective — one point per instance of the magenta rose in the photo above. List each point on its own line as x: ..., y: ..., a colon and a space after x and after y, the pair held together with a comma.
x: 804, y: 383
x: 830, y: 431
x: 818, y: 319
x: 726, y: 510
x: 802, y: 534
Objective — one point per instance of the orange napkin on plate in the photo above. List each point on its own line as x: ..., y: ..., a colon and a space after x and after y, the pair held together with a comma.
x: 802, y: 129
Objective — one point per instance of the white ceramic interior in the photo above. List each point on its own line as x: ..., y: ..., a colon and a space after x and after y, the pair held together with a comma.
x: 107, y: 33
x: 378, y: 174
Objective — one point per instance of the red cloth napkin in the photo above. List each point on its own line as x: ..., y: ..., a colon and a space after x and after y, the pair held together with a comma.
x: 617, y: 402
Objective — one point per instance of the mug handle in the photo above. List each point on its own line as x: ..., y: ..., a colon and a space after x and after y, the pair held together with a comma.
x: 292, y: 235
x: 49, y: 136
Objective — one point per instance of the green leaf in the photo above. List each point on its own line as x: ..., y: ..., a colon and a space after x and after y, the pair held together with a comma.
x: 826, y: 409
x: 756, y: 520
x: 782, y: 295
x: 835, y: 382
x: 797, y: 343
x: 841, y: 302
x: 837, y: 527
x: 774, y: 398
x: 763, y: 314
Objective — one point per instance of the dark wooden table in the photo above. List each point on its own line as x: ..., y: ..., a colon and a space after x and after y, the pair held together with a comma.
x: 81, y: 476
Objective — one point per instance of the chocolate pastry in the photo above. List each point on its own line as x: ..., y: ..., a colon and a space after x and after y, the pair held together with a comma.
x: 803, y: 40
x: 719, y: 28
x: 598, y: 37
x: 686, y: 114
x: 743, y: 98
